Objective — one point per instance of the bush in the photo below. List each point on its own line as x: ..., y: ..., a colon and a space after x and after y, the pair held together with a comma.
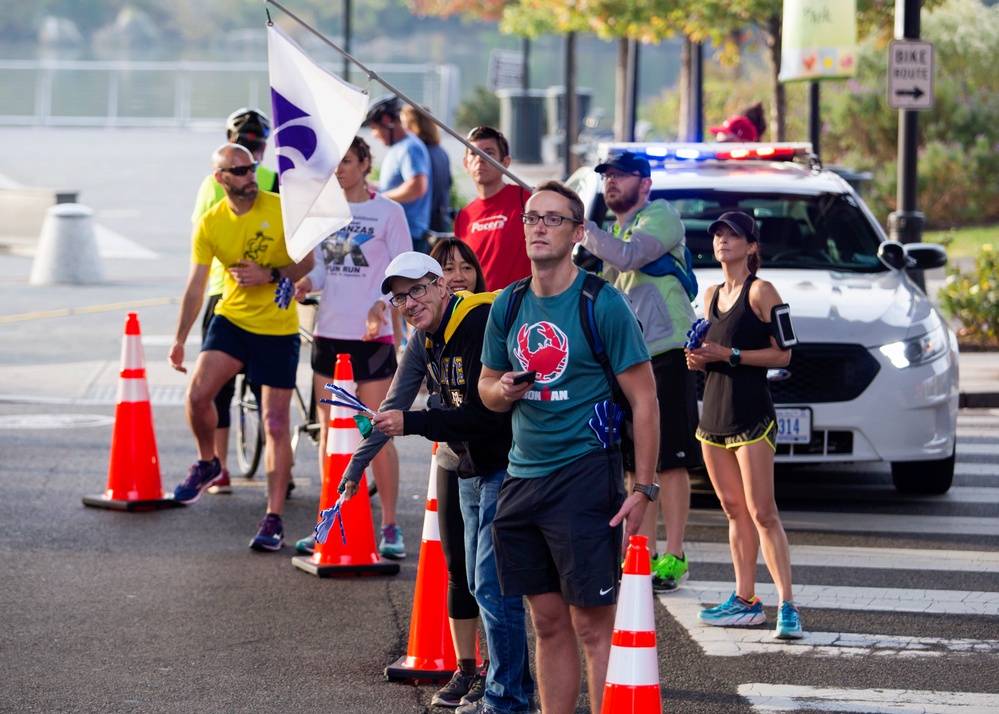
x: 483, y: 109
x: 973, y: 298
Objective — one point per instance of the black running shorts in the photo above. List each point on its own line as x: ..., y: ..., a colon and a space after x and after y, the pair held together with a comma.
x: 369, y: 361
x: 551, y: 534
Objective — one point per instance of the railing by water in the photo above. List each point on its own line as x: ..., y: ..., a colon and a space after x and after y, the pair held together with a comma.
x: 176, y: 94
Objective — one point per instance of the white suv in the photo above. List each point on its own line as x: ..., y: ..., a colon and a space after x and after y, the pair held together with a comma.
x: 875, y: 374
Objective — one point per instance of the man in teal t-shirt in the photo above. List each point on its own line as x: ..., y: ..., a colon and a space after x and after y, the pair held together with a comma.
x: 558, y: 525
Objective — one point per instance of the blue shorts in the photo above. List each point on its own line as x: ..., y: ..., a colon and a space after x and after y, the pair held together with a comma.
x: 269, y: 360
x: 552, y: 533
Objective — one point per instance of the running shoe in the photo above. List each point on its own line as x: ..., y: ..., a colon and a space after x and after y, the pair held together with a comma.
x: 479, y: 706
x: 392, y: 545
x: 451, y: 693
x: 307, y: 545
x: 270, y: 534
x: 202, y: 475
x: 476, y: 690
x: 222, y: 486
x: 734, y: 612
x: 668, y: 572
x: 788, y: 622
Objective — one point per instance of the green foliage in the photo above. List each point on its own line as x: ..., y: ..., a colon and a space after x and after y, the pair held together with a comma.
x: 483, y: 109
x: 973, y: 298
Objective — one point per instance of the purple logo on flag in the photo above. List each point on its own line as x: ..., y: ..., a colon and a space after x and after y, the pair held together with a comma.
x: 298, y: 136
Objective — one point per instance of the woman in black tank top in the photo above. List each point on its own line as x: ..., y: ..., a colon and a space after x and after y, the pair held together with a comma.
x: 737, y: 428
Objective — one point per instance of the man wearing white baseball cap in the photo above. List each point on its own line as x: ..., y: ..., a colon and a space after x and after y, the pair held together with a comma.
x: 453, y: 327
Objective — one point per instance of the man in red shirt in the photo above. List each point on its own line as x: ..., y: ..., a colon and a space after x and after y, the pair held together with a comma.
x: 491, y: 224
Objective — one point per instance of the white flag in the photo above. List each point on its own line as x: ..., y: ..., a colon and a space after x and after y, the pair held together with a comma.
x: 316, y: 115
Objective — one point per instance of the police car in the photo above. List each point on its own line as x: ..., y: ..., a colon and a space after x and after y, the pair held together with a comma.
x: 874, y: 377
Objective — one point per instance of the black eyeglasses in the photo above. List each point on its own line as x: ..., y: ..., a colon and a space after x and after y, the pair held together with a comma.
x: 617, y: 175
x: 239, y: 170
x: 416, y: 292
x: 551, y: 220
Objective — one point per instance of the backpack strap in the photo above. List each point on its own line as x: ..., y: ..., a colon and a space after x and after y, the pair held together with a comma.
x: 592, y: 285
x: 516, y: 298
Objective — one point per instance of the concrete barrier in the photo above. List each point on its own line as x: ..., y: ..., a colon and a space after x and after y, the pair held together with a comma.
x: 67, y: 248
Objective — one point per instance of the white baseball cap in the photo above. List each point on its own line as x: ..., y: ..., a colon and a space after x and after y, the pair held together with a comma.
x: 410, y: 265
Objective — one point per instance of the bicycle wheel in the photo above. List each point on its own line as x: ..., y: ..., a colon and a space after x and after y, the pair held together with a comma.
x: 249, y: 437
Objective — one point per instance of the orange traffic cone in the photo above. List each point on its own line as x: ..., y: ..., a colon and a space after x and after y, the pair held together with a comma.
x: 632, y: 685
x: 430, y: 654
x: 360, y: 555
x: 134, y: 471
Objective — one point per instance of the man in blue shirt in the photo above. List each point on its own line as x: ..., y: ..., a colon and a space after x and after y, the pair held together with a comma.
x: 405, y: 171
x: 558, y: 525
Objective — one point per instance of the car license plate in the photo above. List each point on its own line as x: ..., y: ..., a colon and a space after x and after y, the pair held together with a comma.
x: 794, y: 426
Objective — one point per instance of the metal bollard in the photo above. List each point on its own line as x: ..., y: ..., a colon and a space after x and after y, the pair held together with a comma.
x: 67, y: 248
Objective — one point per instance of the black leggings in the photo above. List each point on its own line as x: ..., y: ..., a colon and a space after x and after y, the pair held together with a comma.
x: 223, y: 399
x: 461, y: 604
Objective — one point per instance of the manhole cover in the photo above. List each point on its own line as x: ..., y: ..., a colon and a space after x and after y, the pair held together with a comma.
x: 47, y: 421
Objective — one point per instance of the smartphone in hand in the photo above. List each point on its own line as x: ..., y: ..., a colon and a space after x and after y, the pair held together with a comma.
x: 527, y: 377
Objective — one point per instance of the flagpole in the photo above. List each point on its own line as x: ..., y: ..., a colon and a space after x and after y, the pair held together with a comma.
x: 374, y: 75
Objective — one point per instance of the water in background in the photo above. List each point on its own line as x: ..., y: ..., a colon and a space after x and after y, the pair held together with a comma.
x: 149, y: 86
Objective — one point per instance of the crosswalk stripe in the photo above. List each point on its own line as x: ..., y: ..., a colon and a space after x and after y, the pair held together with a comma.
x: 765, y: 697
x: 965, y: 468
x: 871, y: 493
x: 843, y: 597
x: 684, y: 605
x: 974, y: 449
x: 965, y: 561
x: 865, y: 522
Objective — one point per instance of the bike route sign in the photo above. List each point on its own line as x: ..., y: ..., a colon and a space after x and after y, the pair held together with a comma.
x: 910, y: 74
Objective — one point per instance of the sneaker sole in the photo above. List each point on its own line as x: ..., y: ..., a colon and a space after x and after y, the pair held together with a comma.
x: 254, y: 545
x: 663, y: 588
x: 220, y: 490
x: 304, y: 551
x: 743, y: 620
x: 450, y: 703
x: 780, y: 634
x: 201, y: 491
x: 392, y: 556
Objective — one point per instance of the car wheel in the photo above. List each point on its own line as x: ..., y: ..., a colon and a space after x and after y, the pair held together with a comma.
x: 924, y: 478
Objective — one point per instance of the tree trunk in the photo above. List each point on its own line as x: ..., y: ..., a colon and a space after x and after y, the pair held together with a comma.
x: 686, y: 52
x: 777, y: 108
x: 621, y: 95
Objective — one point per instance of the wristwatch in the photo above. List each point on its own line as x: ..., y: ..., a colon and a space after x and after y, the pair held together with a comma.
x: 651, y: 490
x: 275, y: 275
x: 735, y: 359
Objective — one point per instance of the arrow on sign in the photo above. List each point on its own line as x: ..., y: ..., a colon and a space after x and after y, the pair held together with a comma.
x: 915, y: 92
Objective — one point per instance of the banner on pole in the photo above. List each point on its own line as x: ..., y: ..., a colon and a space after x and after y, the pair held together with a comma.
x: 818, y: 40
x: 316, y: 116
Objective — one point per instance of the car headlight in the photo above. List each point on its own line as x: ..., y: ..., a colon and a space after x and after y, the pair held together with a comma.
x: 917, y: 350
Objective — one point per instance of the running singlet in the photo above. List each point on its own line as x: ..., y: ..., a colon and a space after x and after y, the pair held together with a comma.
x: 211, y: 192
x: 493, y: 229
x: 257, y: 235
x: 350, y: 267
x: 736, y: 398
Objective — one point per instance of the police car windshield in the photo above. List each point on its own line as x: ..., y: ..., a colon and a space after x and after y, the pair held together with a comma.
x: 824, y: 231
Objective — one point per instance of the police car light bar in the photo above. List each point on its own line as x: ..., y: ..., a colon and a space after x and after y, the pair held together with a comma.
x: 659, y: 153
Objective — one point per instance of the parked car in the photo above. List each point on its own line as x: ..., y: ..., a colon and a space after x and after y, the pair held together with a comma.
x: 875, y: 374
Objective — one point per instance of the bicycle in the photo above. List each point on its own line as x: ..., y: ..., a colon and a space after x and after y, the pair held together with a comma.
x: 249, y: 435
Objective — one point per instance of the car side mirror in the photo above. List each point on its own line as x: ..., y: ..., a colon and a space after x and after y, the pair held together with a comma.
x: 892, y: 254
x: 926, y: 256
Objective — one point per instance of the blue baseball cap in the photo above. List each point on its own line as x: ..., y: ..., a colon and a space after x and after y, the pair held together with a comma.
x: 627, y: 162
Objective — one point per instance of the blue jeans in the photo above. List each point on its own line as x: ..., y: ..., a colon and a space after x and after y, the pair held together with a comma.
x: 509, y: 684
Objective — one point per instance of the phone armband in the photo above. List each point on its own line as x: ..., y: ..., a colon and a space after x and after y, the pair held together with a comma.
x: 783, y: 330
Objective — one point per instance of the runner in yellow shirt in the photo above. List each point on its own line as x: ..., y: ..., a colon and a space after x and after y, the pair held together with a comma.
x: 249, y: 331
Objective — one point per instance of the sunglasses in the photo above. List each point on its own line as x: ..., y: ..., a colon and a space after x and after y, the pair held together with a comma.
x: 240, y: 170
